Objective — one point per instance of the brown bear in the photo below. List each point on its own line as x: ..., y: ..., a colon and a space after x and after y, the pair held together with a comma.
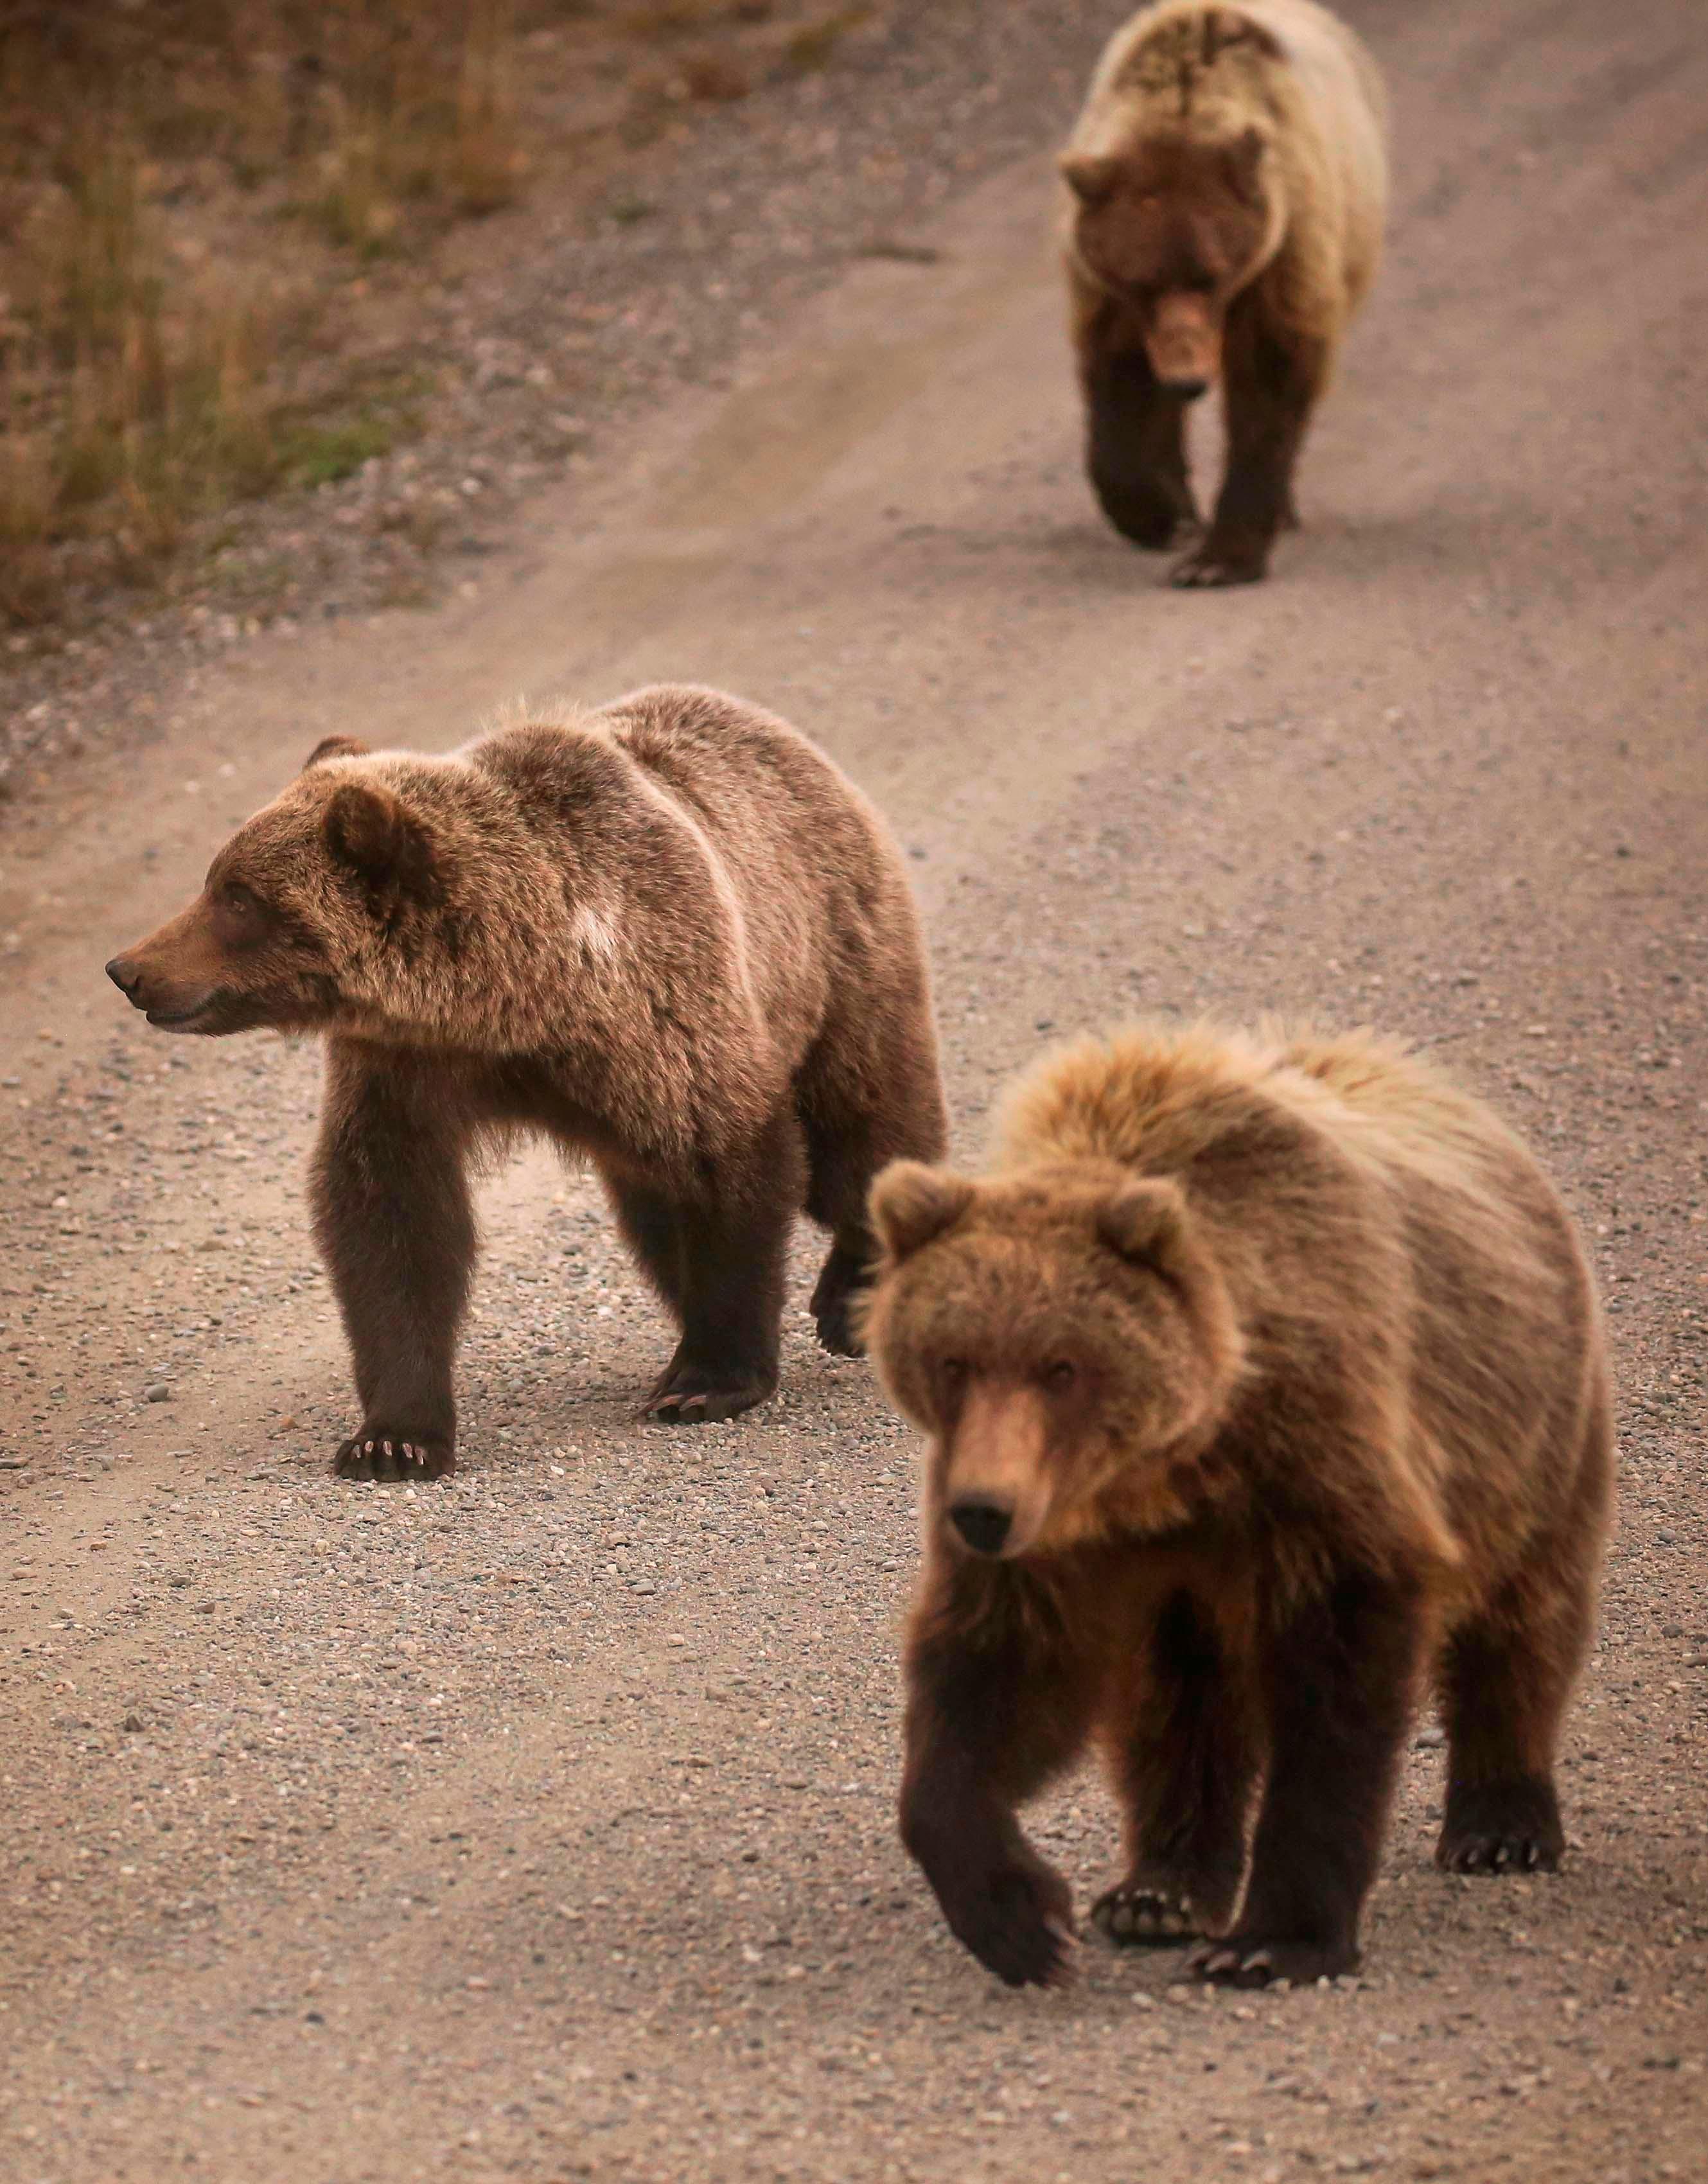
x: 1226, y: 186
x: 668, y: 933
x: 1264, y: 1380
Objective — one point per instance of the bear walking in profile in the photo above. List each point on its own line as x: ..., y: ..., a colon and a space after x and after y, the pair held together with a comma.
x: 668, y: 933
x: 1227, y: 185
x: 1264, y: 1383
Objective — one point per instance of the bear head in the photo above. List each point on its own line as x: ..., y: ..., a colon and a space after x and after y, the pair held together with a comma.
x: 297, y: 899
x: 1174, y: 226
x: 1065, y: 1338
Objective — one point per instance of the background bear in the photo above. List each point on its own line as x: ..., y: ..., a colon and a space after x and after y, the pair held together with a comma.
x: 1228, y: 185
x: 1262, y: 1379
x: 668, y: 932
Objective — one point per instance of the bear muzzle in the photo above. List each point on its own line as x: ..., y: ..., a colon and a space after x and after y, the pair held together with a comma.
x: 996, y: 1490
x: 1183, y: 342
x: 166, y: 1008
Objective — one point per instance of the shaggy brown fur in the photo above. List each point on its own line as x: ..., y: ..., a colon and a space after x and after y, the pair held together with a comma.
x: 1227, y: 189
x: 1263, y: 1378
x: 670, y: 934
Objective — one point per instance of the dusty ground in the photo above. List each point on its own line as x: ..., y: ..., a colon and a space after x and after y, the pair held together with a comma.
x: 539, y: 1825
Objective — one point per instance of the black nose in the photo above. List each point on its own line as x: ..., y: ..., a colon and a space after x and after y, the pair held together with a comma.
x: 1188, y: 390
x: 984, y: 1525
x: 124, y: 977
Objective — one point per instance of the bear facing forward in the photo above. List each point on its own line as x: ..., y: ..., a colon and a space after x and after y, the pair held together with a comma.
x: 1227, y: 186
x: 1264, y: 1382
x: 668, y: 933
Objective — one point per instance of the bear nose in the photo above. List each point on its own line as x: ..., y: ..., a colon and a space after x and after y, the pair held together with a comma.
x: 1188, y: 390
x: 984, y: 1525
x: 124, y: 977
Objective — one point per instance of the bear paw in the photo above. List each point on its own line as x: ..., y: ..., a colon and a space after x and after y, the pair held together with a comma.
x: 1502, y: 1827
x: 1018, y: 1924
x: 1250, y: 1960
x: 835, y: 1302
x: 389, y: 1455
x: 690, y: 1395
x: 1139, y: 1913
x: 1212, y: 565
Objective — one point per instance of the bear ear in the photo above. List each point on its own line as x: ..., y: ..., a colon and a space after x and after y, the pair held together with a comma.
x: 1145, y: 1221
x: 371, y: 835
x: 911, y: 1204
x: 335, y: 747
x: 1091, y: 177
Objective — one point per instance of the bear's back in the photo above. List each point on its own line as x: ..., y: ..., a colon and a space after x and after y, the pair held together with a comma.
x: 1363, y: 1208
x: 1277, y: 1115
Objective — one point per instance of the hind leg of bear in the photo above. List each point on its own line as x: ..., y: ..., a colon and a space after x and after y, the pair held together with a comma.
x: 1270, y: 387
x: 854, y: 1125
x: 1184, y: 1767
x: 1135, y: 453
x: 1505, y: 1679
x: 396, y: 1227
x: 1339, y: 1688
x: 732, y: 1244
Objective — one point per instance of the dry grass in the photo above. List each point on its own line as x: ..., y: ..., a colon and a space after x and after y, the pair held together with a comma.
x: 408, y: 117
x: 132, y: 401
x: 195, y: 195
x: 142, y: 381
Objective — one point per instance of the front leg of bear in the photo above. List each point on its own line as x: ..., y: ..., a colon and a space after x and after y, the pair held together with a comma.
x: 394, y: 1222
x: 1184, y: 1759
x: 1272, y: 383
x: 986, y: 1728
x: 1341, y: 1683
x: 1135, y: 449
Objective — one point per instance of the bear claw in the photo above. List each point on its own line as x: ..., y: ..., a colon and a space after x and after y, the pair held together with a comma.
x: 391, y: 1456
x: 1205, y: 569
x: 690, y: 1406
x: 1136, y: 1914
x: 1483, y: 1853
x: 1236, y: 1963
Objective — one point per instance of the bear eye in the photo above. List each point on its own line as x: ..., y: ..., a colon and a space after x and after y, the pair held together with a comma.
x: 238, y: 897
x: 953, y: 1371
x: 1060, y: 1373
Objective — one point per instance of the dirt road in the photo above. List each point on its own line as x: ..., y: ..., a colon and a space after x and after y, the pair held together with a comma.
x: 539, y: 1824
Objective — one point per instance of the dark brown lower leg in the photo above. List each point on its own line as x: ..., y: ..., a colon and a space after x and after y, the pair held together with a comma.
x: 395, y: 1225
x: 1503, y: 1694
x: 1183, y: 1769
x: 732, y: 1242
x: 993, y: 1711
x: 1135, y: 448
x: 1505, y: 1679
x: 856, y: 1120
x: 653, y: 1230
x: 1269, y: 388
x: 1339, y: 1688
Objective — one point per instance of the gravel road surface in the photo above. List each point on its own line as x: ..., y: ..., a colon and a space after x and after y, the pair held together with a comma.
x: 539, y: 1824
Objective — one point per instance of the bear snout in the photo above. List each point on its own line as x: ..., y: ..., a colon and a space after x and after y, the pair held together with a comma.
x: 167, y: 1004
x: 1184, y: 342
x: 982, y: 1524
